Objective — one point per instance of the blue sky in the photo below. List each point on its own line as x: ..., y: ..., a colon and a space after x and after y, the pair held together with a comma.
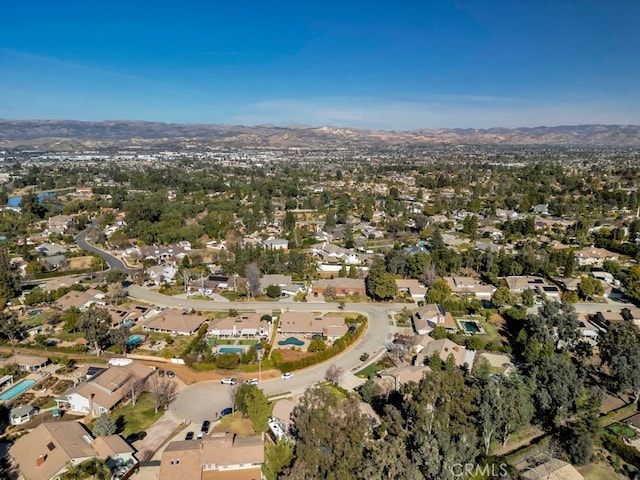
x: 371, y: 64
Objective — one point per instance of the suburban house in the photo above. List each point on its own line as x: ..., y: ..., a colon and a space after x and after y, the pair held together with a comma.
x: 469, y: 286
x: 308, y: 324
x: 518, y: 284
x: 46, y: 452
x: 342, y: 286
x: 22, y: 414
x: 175, y: 322
x: 329, y: 251
x: 161, y: 253
x: 427, y: 347
x: 51, y: 249
x: 412, y: 287
x: 59, y: 223
x: 29, y: 363
x: 106, y: 390
x: 631, y: 314
x: 163, y: 273
x: 430, y: 316
x: 213, y: 457
x: 244, y: 325
x: 276, y: 244
x: 81, y: 300
x: 593, y: 256
x: 604, y: 320
x: 283, y: 281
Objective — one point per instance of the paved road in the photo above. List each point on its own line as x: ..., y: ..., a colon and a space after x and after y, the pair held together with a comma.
x: 114, y: 262
x: 202, y: 400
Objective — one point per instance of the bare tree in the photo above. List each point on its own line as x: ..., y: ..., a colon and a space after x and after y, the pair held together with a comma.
x: 116, y: 293
x: 253, y: 279
x: 164, y: 391
x: 334, y: 374
x: 135, y: 387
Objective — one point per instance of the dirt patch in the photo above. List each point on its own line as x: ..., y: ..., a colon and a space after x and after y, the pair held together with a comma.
x: 189, y: 376
x: 290, y: 355
x: 62, y: 386
x: 236, y: 424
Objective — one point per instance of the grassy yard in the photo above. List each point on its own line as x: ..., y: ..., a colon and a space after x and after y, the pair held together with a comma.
x: 369, y: 371
x: 139, y: 417
x: 599, y: 471
x: 248, y: 342
x: 621, y: 431
x: 39, y: 319
x: 236, y: 424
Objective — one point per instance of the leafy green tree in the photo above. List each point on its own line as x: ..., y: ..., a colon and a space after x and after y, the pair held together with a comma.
x: 9, y: 283
x: 557, y: 389
x: 330, y: 432
x: 317, y: 345
x: 104, y: 425
x: 502, y: 296
x: 116, y: 276
x: 381, y: 285
x: 254, y: 404
x: 93, y: 468
x: 95, y: 324
x: 570, y: 297
x: 439, y: 292
x: 528, y: 298
x: 10, y: 327
x: 589, y: 287
x: 632, y: 284
x: 273, y: 291
x: 279, y: 457
x: 620, y: 351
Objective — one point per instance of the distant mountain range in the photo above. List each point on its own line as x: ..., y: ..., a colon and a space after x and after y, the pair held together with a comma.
x: 73, y: 135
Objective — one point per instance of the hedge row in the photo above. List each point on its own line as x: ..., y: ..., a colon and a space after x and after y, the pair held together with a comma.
x: 339, y: 346
x: 628, y: 453
x: 201, y: 333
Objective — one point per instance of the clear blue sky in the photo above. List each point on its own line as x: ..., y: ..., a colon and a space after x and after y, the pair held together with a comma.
x: 374, y: 64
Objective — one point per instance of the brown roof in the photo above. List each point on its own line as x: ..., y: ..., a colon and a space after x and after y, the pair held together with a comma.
x: 176, y: 321
x: 181, y: 460
x: 27, y: 360
x: 74, y: 299
x: 306, y: 322
x: 111, y: 386
x: 44, y: 452
x: 243, y: 474
x: 230, y: 449
x: 111, y: 445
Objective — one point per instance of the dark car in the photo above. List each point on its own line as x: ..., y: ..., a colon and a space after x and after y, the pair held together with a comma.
x: 205, y: 426
x: 226, y: 411
x: 170, y: 374
x: 189, y: 436
x: 134, y: 437
x: 161, y: 373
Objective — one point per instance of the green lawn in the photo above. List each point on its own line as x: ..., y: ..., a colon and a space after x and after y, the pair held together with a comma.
x: 248, y: 342
x: 38, y: 320
x: 139, y: 417
x: 621, y: 431
x: 369, y: 371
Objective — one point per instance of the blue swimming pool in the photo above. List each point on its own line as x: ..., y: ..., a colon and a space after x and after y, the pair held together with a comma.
x: 237, y: 350
x: 135, y: 340
x: 17, y: 389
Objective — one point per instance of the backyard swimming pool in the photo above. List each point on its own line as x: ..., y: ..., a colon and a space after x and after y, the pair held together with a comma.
x: 134, y: 340
x: 237, y: 350
x: 35, y: 312
x: 470, y: 327
x: 17, y: 389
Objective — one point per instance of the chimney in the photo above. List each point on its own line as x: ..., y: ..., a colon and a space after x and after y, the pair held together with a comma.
x: 91, y: 404
x: 40, y: 460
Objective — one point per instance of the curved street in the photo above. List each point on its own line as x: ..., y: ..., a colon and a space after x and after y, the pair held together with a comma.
x: 203, y: 400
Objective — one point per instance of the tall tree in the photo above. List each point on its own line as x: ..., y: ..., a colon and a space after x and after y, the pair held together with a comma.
x: 278, y: 457
x: 104, y: 425
x: 95, y: 325
x: 330, y: 432
x: 620, y: 351
x: 164, y: 391
x: 253, y: 279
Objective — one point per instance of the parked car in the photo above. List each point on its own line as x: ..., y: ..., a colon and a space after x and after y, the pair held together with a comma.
x: 226, y: 411
x: 205, y: 426
x: 189, y: 436
x: 287, y: 375
x: 229, y: 381
x: 251, y: 381
x: 134, y: 437
x: 200, y: 435
x: 170, y: 374
x: 160, y: 373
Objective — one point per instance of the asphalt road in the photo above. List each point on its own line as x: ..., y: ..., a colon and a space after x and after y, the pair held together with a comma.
x: 202, y: 400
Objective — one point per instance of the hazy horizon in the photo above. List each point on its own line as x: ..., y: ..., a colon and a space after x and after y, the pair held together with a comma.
x: 383, y: 66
